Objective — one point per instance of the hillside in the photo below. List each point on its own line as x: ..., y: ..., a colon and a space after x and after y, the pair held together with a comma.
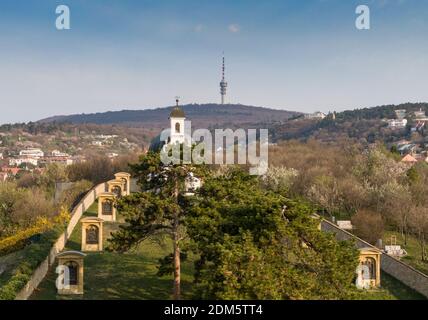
x: 204, y: 115
x: 364, y: 125
x: 140, y: 126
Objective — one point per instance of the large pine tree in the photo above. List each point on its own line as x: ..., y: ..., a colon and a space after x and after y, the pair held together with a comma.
x: 158, y: 209
x: 255, y: 244
x: 251, y: 243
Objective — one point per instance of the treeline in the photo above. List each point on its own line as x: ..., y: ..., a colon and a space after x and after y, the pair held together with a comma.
x: 99, y: 169
x: 31, y: 195
x: 380, y: 112
x: 30, y: 199
x: 327, y: 130
x: 32, y: 219
x: 140, y: 136
x: 345, y: 180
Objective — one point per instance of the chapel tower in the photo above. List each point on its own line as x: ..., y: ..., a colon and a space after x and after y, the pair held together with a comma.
x: 177, y: 118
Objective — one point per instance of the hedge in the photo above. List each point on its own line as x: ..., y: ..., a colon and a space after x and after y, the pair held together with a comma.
x: 33, y: 254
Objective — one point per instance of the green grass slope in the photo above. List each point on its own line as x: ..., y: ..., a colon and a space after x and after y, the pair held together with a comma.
x: 113, y: 276
x: 132, y: 276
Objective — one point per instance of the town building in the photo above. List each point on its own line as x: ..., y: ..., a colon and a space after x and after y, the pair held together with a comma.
x: 16, y: 162
x: 420, y: 115
x: 11, y: 171
x: 419, y: 126
x: 67, y: 161
x: 57, y: 153
x: 32, y: 153
x: 78, y: 159
x: 409, y: 159
x: 316, y: 115
x: 406, y: 148
x: 397, y: 123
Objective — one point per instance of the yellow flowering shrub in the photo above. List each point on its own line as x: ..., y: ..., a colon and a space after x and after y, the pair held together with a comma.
x: 64, y: 216
x: 41, y: 225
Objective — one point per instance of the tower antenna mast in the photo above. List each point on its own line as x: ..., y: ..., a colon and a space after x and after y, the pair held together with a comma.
x: 223, y: 83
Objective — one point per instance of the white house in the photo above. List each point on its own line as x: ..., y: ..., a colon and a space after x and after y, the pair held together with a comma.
x: 16, y: 162
x: 57, y: 153
x: 316, y: 115
x: 397, y: 123
x: 67, y: 161
x: 32, y: 152
x: 420, y: 114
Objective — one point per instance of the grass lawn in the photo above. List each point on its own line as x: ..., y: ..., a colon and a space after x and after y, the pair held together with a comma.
x: 7, y: 263
x: 391, y: 289
x: 413, y: 249
x: 131, y: 276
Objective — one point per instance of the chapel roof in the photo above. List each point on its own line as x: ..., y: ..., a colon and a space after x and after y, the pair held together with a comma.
x: 177, y: 112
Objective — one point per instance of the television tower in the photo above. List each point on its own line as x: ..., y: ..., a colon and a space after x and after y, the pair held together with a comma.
x: 223, y: 83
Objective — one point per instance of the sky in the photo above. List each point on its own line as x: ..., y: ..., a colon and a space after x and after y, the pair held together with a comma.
x: 137, y: 54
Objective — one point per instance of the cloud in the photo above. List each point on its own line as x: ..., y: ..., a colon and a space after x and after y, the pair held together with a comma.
x: 234, y: 28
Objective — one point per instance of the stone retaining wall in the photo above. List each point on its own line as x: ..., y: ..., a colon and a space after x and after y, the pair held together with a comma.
x: 406, y: 274
x: 40, y: 273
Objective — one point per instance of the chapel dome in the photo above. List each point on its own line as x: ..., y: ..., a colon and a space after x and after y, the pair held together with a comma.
x: 177, y: 112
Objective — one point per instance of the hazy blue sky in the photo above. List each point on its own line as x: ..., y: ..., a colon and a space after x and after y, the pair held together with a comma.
x: 302, y: 55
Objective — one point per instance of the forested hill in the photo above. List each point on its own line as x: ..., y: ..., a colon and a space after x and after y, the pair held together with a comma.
x: 363, y: 125
x: 200, y: 114
x: 380, y: 112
